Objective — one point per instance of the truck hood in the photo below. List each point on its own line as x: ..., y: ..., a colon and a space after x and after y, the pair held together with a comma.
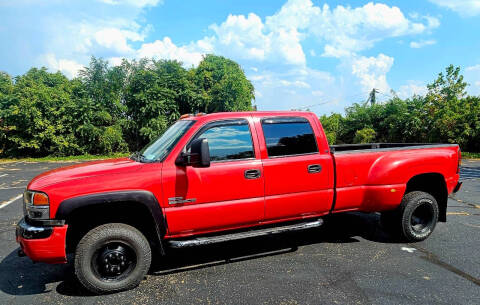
x: 83, y: 170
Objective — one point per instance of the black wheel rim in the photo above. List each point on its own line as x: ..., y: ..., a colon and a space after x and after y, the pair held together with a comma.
x: 114, y: 261
x: 422, y: 217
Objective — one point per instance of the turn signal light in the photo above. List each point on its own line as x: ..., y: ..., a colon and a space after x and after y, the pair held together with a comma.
x: 40, y: 199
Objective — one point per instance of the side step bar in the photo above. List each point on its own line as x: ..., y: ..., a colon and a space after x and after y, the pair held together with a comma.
x: 241, y: 235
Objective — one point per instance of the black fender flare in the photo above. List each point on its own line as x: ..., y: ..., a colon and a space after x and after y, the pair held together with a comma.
x: 142, y: 197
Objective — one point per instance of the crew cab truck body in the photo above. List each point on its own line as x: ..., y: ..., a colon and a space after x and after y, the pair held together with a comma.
x: 224, y: 176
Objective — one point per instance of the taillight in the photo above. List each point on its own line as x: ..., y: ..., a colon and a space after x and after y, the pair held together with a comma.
x: 459, y: 160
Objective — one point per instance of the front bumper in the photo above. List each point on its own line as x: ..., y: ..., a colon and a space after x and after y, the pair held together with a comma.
x: 42, y: 243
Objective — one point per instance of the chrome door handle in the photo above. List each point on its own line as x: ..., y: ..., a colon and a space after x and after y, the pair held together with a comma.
x: 314, y: 168
x: 252, y: 174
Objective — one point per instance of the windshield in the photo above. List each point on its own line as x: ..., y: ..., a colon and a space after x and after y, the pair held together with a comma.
x: 157, y: 150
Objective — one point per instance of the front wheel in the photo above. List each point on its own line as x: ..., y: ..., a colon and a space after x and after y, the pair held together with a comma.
x: 418, y: 216
x: 112, y: 257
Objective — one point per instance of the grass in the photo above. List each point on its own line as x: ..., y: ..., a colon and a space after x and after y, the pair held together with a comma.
x: 66, y: 159
x: 470, y: 155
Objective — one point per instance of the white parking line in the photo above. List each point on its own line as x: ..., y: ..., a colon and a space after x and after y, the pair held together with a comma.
x: 3, y: 175
x: 13, y: 187
x: 5, y: 203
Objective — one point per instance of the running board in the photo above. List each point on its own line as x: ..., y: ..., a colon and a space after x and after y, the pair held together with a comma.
x: 199, y: 241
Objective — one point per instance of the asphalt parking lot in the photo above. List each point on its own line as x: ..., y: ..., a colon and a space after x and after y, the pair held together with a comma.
x: 350, y: 260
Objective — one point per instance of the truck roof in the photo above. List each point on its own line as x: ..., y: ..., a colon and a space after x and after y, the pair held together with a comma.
x: 226, y: 115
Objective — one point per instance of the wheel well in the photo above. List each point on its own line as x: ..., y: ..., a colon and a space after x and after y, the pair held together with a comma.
x: 83, y: 219
x: 434, y: 184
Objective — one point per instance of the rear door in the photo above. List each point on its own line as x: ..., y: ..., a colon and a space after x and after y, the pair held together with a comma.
x: 228, y: 194
x: 298, y: 177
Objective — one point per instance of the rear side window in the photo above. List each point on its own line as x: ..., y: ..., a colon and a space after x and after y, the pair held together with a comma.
x: 229, y: 141
x: 288, y: 136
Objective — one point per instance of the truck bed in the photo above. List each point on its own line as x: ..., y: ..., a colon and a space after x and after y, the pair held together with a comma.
x: 345, y: 148
x: 374, y: 176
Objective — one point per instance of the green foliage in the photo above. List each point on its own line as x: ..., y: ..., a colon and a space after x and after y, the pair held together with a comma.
x: 118, y: 109
x: 444, y: 115
x: 112, y: 109
x: 364, y: 135
x: 332, y: 125
x: 223, y: 86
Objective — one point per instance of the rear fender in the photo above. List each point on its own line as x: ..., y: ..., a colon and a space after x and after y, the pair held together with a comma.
x: 400, y: 167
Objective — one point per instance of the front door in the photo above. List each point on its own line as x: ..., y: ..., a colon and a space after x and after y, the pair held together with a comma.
x: 228, y: 194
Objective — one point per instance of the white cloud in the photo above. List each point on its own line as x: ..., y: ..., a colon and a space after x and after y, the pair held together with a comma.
x: 472, y: 77
x: 473, y: 68
x: 410, y: 89
x: 347, y: 30
x: 432, y: 22
x: 109, y: 31
x: 117, y: 39
x: 297, y: 83
x: 166, y: 49
x: 372, y: 71
x: 467, y: 8
x: 115, y: 61
x: 248, y: 38
x: 69, y: 67
x: 422, y: 43
x: 137, y: 3
x: 244, y: 35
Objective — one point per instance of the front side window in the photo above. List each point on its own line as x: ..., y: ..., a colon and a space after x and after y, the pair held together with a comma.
x: 288, y: 136
x: 229, y: 140
x: 157, y: 150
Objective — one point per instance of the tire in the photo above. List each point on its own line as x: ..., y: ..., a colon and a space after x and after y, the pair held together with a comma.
x: 108, y: 247
x: 418, y: 216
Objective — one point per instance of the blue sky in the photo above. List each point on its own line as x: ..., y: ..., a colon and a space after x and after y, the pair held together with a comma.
x: 297, y: 53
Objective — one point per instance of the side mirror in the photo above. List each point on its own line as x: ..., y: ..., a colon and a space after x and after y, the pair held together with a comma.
x: 199, y: 155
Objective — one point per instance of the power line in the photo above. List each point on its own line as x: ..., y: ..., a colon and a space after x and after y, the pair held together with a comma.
x: 314, y: 105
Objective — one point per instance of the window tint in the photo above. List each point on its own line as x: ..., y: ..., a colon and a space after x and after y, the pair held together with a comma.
x: 288, y: 136
x: 161, y: 147
x: 229, y: 141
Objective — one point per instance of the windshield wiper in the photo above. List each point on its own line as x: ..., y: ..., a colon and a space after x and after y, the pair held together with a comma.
x: 138, y: 156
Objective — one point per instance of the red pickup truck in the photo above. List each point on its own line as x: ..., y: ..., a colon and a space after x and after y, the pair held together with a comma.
x: 226, y: 176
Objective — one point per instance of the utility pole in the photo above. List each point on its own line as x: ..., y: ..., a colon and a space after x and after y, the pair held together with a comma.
x: 372, y: 98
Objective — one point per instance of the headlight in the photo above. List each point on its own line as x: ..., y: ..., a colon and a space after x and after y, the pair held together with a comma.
x: 36, y: 205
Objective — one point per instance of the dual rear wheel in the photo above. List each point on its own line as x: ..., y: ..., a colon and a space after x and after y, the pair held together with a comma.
x: 415, y: 219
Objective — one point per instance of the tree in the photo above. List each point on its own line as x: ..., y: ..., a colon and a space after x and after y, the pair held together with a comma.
x: 151, y: 99
x: 332, y: 125
x: 34, y: 114
x: 6, y: 89
x: 445, y: 105
x: 223, y: 85
x: 365, y: 135
x: 111, y: 109
x: 99, y: 107
x: 449, y: 86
